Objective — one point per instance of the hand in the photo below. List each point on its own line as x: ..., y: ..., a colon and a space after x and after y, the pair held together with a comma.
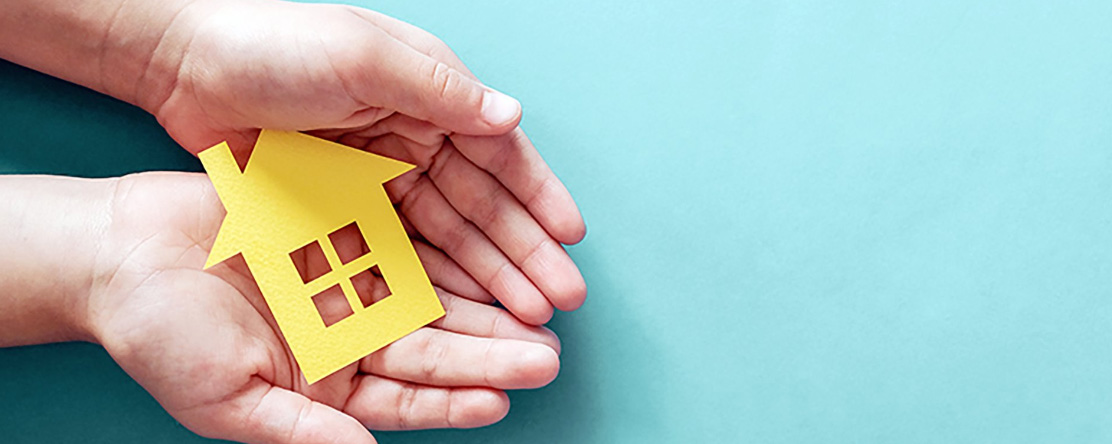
x: 481, y: 192
x: 206, y: 347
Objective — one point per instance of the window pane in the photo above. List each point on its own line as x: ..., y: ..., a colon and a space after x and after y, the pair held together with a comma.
x: 332, y: 305
x: 370, y: 286
x: 349, y: 243
x: 310, y: 262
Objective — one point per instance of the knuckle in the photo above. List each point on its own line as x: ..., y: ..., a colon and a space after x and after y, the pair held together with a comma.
x: 487, y: 211
x: 414, y: 198
x: 443, y: 79
x: 491, y: 373
x: 406, y: 405
x: 496, y: 325
x: 449, y: 415
x: 455, y: 238
x: 538, y: 191
x: 440, y: 161
x: 506, y: 154
x: 497, y: 278
x: 534, y: 252
x: 433, y: 354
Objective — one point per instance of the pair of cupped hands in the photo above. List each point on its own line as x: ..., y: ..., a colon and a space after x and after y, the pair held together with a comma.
x: 486, y: 214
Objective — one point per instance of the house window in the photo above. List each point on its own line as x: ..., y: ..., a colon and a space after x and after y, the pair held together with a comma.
x: 342, y: 272
x: 332, y: 305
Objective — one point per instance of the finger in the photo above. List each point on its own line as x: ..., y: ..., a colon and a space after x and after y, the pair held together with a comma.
x: 435, y: 218
x: 446, y: 273
x: 388, y: 73
x: 385, y: 404
x: 426, y: 135
x: 265, y: 414
x: 472, y: 318
x: 400, y: 137
x: 484, y: 201
x: 513, y: 160
x: 436, y: 357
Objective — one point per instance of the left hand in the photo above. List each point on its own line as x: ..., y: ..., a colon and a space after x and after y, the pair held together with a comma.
x: 205, y: 345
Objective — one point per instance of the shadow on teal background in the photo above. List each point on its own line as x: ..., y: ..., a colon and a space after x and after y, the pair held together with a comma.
x: 812, y: 222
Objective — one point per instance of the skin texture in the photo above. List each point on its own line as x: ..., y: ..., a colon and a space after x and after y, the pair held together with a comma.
x: 118, y: 261
x: 125, y: 271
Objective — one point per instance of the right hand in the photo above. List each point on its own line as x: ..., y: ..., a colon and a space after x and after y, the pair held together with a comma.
x: 481, y: 192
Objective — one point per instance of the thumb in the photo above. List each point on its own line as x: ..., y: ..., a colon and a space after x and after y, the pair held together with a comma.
x: 408, y: 81
x: 265, y: 414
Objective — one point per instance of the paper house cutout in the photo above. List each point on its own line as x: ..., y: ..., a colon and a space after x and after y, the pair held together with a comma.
x: 295, y: 191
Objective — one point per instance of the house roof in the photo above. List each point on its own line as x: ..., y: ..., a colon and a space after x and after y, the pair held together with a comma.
x: 293, y: 187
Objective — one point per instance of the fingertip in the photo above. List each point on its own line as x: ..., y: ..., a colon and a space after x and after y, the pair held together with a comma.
x: 503, y: 409
x: 500, y: 111
x: 573, y: 234
x: 559, y: 278
x: 518, y: 294
x: 573, y: 295
x: 478, y: 407
x: 507, y: 326
x: 514, y: 364
x: 559, y: 215
x: 512, y: 328
x: 539, y: 314
x: 541, y: 364
x: 551, y: 339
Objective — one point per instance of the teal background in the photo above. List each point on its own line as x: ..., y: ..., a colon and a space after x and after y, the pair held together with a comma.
x: 808, y: 222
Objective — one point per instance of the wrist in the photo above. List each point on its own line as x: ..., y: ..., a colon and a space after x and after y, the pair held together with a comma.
x: 124, y: 48
x: 52, y: 228
x: 90, y: 254
x: 143, y: 49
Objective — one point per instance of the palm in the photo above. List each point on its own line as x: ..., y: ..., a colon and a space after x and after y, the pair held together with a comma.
x: 204, y: 343
x: 490, y: 202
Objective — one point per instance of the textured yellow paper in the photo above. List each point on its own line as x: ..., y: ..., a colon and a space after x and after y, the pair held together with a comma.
x: 297, y: 189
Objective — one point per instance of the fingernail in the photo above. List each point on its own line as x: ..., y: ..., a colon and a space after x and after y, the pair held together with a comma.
x: 498, y: 108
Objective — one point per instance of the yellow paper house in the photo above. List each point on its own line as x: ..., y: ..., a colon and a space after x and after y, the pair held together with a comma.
x: 294, y: 195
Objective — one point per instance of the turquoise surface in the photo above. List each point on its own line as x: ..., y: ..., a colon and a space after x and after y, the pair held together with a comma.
x: 868, y: 222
